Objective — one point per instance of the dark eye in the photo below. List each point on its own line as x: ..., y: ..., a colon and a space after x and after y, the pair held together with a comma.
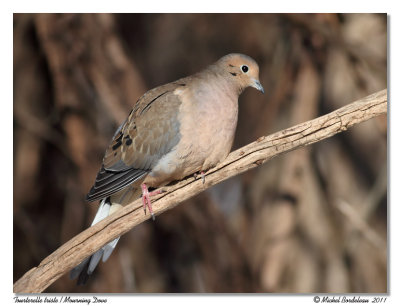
x: 245, y: 68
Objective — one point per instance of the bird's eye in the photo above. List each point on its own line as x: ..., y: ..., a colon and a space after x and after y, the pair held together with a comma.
x: 244, y: 68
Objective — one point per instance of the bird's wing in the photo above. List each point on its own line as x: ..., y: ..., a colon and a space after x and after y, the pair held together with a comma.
x: 150, y: 131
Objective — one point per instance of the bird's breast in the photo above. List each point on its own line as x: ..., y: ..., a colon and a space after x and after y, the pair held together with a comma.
x: 207, y: 128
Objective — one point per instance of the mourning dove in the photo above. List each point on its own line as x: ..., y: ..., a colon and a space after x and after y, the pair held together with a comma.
x: 174, y: 130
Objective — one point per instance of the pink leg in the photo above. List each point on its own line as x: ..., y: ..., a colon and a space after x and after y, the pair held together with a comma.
x: 146, y: 198
x: 202, y: 174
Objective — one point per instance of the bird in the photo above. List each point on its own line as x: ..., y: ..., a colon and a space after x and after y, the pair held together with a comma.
x: 174, y: 130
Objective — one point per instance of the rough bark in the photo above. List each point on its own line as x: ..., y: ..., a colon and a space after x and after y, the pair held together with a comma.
x: 254, y: 154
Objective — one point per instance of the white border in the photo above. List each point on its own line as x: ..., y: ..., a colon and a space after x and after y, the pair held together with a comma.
x: 7, y: 8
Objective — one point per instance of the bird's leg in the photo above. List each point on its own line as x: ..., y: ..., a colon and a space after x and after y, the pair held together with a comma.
x: 202, y: 174
x: 146, y: 198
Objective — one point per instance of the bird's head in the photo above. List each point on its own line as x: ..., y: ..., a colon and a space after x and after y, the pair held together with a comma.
x: 242, y: 70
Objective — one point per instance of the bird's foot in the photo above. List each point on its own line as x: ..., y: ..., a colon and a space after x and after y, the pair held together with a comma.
x: 202, y: 174
x: 146, y: 198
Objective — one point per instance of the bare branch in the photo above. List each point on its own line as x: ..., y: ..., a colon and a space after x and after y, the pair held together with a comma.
x: 256, y: 153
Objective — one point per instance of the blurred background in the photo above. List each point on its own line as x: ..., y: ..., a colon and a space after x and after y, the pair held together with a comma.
x: 312, y: 220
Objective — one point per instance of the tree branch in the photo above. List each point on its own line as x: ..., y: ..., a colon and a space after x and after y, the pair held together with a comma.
x: 256, y: 153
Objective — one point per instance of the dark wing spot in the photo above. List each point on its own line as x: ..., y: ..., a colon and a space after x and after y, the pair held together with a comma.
x: 128, y: 141
x: 133, y: 125
x: 117, y: 145
x: 118, y: 142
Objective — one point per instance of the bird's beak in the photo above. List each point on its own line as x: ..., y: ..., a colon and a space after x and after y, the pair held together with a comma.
x: 257, y: 85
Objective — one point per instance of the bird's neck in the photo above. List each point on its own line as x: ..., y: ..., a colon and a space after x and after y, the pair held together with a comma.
x: 227, y: 82
x: 221, y: 83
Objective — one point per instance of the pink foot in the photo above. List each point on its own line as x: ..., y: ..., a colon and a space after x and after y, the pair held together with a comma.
x: 202, y: 174
x: 146, y: 199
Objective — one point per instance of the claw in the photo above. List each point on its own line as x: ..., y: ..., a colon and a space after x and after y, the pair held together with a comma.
x: 146, y: 199
x: 202, y: 174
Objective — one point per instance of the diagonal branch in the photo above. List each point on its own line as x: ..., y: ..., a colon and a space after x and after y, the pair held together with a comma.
x: 254, y: 154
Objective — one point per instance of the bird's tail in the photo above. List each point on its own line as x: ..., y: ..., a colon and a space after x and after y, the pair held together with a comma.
x: 86, y: 267
x: 107, y: 206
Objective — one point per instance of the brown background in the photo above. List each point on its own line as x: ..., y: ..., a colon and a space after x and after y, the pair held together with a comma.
x: 313, y: 220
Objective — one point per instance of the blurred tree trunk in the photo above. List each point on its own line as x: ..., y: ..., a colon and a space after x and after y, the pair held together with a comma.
x: 288, y: 226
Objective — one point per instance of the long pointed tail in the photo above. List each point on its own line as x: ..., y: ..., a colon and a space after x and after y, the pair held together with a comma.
x: 86, y: 267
